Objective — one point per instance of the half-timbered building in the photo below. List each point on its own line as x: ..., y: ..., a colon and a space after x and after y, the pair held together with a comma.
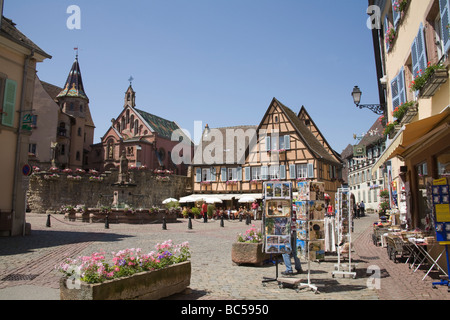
x: 233, y: 162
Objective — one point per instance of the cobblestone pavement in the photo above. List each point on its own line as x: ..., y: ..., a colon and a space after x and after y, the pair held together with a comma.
x: 27, y: 263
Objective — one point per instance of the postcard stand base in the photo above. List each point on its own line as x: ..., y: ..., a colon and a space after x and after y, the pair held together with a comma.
x: 266, y: 279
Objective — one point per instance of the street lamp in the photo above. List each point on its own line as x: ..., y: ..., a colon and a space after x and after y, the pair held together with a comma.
x: 376, y: 108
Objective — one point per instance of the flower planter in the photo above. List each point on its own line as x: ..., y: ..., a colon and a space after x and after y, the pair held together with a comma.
x: 409, y: 114
x: 151, y: 285
x: 439, y: 77
x: 247, y: 253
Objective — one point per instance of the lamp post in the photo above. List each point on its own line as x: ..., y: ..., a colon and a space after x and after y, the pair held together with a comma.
x: 376, y: 108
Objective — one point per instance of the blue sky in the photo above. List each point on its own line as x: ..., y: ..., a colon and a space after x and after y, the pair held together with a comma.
x: 216, y: 61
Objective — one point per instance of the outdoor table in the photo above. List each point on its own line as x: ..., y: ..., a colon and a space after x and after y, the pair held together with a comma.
x: 421, y: 246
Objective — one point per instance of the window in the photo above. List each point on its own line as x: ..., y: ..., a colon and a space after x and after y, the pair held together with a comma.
x: 32, y: 148
x: 136, y: 127
x: 444, y: 8
x: 63, y: 149
x: 419, y: 54
x: 77, y: 157
x: 206, y: 174
x: 302, y: 171
x: 71, y: 106
x: 256, y: 173
x: 398, y: 92
x: 443, y: 164
x: 79, y: 132
x: 274, y: 172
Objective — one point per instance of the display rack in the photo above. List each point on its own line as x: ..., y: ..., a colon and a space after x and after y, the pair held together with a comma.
x: 344, y: 222
x: 277, y: 216
x: 310, y: 214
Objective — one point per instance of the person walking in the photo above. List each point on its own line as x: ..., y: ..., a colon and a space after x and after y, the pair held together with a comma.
x: 358, y: 210
x: 362, y: 208
x: 255, y: 209
x: 205, y: 212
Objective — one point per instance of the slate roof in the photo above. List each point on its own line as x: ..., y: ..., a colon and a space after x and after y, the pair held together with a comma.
x: 74, y: 83
x: 374, y: 135
x: 226, y: 152
x: 164, y: 128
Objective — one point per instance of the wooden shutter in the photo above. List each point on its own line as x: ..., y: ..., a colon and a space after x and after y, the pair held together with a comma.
x: 445, y: 15
x: 310, y: 170
x: 239, y: 173
x: 282, y: 172
x: 287, y: 142
x: 398, y: 91
x: 9, y: 103
x: 292, y: 171
x: 223, y: 174
x: 421, y: 50
x: 264, y: 172
x: 247, y: 174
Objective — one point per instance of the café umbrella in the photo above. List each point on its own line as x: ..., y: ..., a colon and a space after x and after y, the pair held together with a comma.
x: 169, y: 200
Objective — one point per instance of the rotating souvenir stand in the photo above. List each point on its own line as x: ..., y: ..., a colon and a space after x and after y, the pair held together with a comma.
x: 277, y: 215
x: 441, y: 207
x: 344, y: 222
x: 310, y: 214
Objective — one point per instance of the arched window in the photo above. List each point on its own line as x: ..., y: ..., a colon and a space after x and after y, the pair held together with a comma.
x: 78, y: 155
x: 79, y: 132
x: 136, y: 127
x: 110, y: 149
x: 132, y: 122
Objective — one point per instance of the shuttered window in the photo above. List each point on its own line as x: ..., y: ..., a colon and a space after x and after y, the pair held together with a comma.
x: 444, y: 6
x: 418, y: 53
x: 9, y: 102
x: 398, y: 91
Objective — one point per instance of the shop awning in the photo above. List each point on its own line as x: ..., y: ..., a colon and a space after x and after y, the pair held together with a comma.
x: 224, y: 197
x: 411, y: 135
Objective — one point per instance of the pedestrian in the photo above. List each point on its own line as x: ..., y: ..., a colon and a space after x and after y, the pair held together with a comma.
x: 357, y: 211
x: 362, y: 208
x: 255, y: 208
x: 205, y: 212
x: 293, y: 252
x: 330, y: 209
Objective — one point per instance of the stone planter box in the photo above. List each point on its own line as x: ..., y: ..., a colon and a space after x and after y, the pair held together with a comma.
x: 247, y: 253
x: 151, y: 285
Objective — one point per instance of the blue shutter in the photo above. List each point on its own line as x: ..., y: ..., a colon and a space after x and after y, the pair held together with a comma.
x: 267, y: 143
x: 287, y: 142
x: 198, y: 175
x: 395, y: 93
x: 401, y: 86
x: 247, y: 174
x: 223, y: 174
x: 445, y: 15
x: 9, y: 103
x: 421, y: 50
x: 292, y: 171
x: 415, y: 59
x: 282, y: 172
x: 310, y: 170
x: 239, y: 173
x: 396, y: 14
x: 386, y: 28
x: 213, y: 174
x: 264, y: 172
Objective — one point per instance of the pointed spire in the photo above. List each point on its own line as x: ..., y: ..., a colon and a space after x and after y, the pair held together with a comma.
x: 74, y: 83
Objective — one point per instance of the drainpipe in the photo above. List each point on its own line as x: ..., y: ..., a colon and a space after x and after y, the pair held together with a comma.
x: 18, y: 143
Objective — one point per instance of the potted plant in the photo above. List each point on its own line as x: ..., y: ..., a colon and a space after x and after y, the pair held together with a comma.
x: 248, y: 249
x: 429, y: 81
x: 129, y: 275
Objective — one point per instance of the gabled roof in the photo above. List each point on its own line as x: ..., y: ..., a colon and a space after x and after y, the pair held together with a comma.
x: 304, y: 133
x: 74, y: 83
x: 164, y: 128
x: 374, y: 135
x: 226, y: 152
x: 9, y: 31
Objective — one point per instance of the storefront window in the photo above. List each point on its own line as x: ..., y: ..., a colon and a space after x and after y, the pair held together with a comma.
x: 443, y: 164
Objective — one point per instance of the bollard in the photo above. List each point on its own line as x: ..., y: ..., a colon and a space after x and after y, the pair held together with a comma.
x: 107, y: 222
x: 164, y: 226
x: 48, y: 225
x: 190, y: 223
x: 221, y: 221
x: 247, y: 220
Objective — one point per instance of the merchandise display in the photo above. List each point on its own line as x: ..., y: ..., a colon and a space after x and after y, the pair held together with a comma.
x: 344, y: 222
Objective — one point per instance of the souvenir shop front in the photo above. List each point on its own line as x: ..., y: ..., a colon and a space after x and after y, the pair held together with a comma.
x: 425, y: 149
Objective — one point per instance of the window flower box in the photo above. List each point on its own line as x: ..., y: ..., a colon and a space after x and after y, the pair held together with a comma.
x: 429, y: 81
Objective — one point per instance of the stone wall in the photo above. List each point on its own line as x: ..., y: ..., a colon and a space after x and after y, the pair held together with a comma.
x: 48, y: 192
